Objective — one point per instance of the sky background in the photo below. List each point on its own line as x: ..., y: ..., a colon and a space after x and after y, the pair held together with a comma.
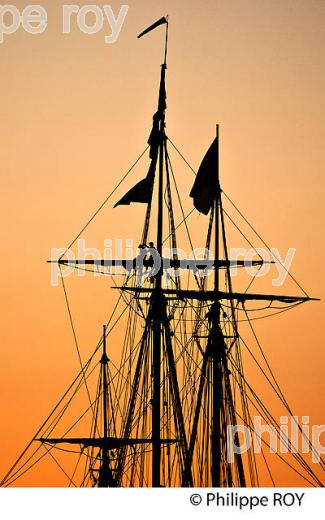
x: 76, y: 113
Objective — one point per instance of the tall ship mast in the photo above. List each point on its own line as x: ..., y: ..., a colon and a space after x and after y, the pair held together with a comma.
x: 169, y: 410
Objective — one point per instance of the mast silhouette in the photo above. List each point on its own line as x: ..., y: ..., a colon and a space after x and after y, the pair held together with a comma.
x: 157, y: 298
x: 215, y: 371
x: 216, y: 348
x: 157, y: 305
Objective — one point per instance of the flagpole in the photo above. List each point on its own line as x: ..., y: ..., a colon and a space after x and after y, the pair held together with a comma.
x: 166, y: 42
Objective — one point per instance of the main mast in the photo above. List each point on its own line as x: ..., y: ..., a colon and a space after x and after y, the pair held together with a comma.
x: 157, y: 296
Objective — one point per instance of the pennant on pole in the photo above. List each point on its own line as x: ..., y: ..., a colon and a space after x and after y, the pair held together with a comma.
x: 153, y: 26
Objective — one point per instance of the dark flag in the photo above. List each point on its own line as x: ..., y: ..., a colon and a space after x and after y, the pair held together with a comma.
x: 141, y: 192
x: 205, y: 187
x: 153, y: 26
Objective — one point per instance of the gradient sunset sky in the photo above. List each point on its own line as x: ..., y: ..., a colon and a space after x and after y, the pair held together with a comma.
x: 76, y: 113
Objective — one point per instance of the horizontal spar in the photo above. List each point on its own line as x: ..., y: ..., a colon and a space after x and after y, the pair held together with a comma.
x: 167, y: 263
x: 220, y: 295
x: 109, y: 443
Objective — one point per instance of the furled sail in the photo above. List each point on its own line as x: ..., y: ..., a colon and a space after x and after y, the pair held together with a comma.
x: 205, y: 187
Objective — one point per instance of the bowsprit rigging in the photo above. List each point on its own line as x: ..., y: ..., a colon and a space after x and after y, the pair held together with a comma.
x: 160, y: 414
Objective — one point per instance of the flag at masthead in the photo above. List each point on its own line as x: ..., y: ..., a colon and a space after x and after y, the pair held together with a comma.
x: 142, y: 191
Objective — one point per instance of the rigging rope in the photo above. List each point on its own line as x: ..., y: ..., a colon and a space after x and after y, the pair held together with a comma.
x: 104, y: 203
x: 75, y: 336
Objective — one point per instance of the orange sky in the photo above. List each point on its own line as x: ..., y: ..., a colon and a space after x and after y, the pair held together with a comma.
x: 76, y: 112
